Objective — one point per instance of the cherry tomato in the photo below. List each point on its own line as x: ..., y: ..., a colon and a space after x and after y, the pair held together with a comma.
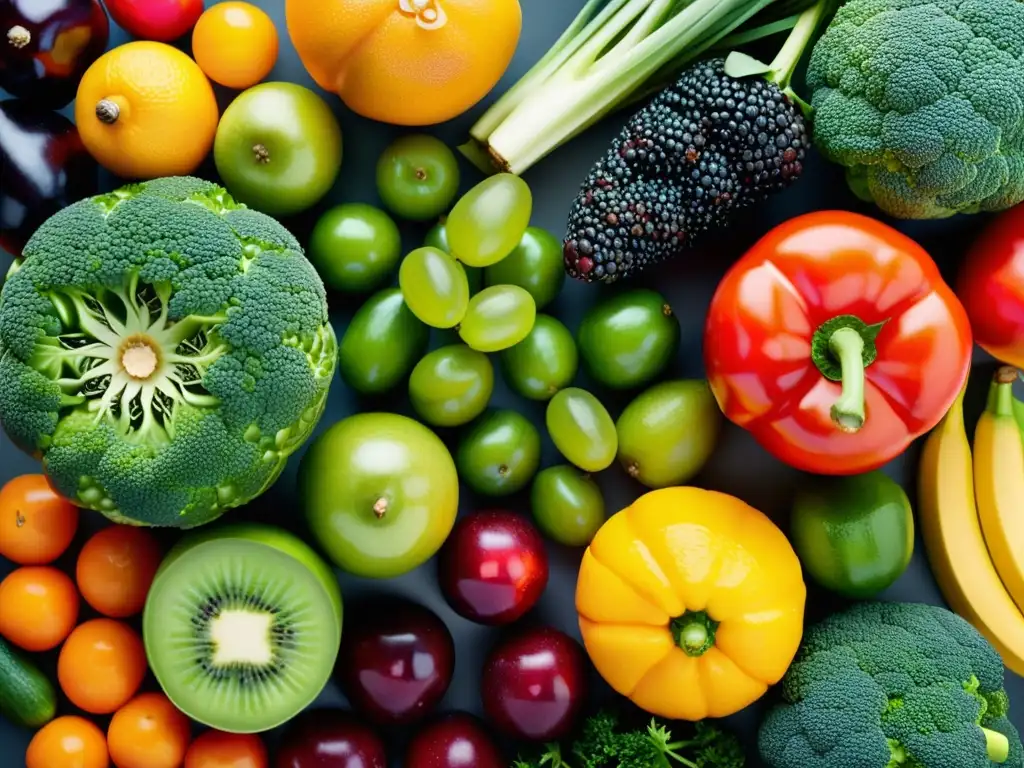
x: 148, y: 732
x: 38, y: 607
x: 68, y: 742
x: 36, y: 525
x: 991, y: 288
x: 116, y: 568
x: 235, y: 44
x: 162, y: 20
x: 101, y: 665
x: 215, y: 749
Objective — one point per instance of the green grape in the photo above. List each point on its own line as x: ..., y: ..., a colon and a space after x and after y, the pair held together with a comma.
x: 437, y: 237
x: 499, y: 454
x: 567, y: 505
x: 435, y: 287
x: 535, y: 264
x: 667, y: 434
x: 489, y: 220
x: 451, y: 386
x: 542, y: 363
x: 581, y: 429
x: 497, y: 318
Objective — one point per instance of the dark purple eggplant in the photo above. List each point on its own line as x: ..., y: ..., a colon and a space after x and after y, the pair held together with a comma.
x: 46, y: 46
x: 43, y: 167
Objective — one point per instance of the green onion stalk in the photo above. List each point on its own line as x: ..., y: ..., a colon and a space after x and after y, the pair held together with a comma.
x: 615, y: 53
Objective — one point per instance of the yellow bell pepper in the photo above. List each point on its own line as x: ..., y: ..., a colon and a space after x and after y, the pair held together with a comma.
x: 691, y: 603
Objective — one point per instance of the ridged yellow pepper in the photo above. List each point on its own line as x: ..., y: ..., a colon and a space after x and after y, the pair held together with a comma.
x: 691, y: 603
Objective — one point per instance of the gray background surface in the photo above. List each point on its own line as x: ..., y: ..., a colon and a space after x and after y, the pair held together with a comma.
x: 739, y: 466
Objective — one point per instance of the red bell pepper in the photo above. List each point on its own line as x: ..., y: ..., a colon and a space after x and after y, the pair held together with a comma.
x: 991, y: 287
x: 836, y: 343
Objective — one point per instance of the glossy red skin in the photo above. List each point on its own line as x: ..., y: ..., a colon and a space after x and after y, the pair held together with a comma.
x: 455, y: 741
x: 991, y: 287
x: 330, y: 738
x: 534, y: 684
x: 43, y: 71
x: 494, y: 567
x: 163, y: 20
x: 757, y: 341
x: 396, y: 662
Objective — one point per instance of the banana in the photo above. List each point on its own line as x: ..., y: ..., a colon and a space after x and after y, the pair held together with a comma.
x: 954, y: 542
x: 999, y: 483
x: 1018, y: 413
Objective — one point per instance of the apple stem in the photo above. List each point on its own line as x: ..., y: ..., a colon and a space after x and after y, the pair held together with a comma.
x: 262, y: 155
x: 380, y: 506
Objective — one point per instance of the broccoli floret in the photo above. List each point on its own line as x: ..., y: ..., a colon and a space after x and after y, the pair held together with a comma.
x: 891, y: 685
x: 163, y: 350
x: 923, y: 102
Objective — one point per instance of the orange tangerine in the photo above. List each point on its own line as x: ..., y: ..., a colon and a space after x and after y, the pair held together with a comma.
x: 235, y: 44
x: 146, y: 110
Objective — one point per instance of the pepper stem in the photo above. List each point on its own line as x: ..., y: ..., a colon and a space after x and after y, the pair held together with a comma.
x: 694, y: 632
x: 997, y: 746
x: 848, y: 348
x: 842, y: 348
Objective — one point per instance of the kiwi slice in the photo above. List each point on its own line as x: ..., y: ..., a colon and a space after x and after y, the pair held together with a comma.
x: 242, y: 627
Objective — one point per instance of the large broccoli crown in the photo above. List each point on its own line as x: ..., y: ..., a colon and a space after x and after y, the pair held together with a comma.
x: 923, y: 102
x: 164, y: 350
x: 885, y: 685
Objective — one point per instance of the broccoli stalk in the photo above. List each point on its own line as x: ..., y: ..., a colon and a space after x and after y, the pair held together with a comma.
x: 602, y: 61
x: 994, y: 704
x: 123, y: 358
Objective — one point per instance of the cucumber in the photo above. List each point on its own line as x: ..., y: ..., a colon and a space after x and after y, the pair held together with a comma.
x: 26, y: 695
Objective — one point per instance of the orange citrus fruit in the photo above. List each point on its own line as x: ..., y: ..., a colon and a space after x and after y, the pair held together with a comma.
x: 406, y: 62
x: 148, y: 732
x: 101, y: 665
x: 146, y: 110
x: 36, y: 525
x: 235, y: 44
x: 68, y: 742
x: 38, y: 607
x: 116, y: 568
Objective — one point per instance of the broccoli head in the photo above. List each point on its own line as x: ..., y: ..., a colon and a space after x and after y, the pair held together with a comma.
x: 163, y: 350
x: 892, y: 685
x: 923, y: 102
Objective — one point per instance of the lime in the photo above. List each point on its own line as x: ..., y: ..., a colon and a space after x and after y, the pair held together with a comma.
x: 854, y: 535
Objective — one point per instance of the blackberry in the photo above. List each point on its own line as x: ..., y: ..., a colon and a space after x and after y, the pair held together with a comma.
x: 706, y: 146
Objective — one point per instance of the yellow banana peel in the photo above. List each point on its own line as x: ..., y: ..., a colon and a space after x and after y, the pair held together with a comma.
x: 954, y: 542
x: 999, y: 483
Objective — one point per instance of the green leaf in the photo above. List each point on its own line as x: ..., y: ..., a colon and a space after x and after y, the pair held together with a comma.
x: 739, y: 65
